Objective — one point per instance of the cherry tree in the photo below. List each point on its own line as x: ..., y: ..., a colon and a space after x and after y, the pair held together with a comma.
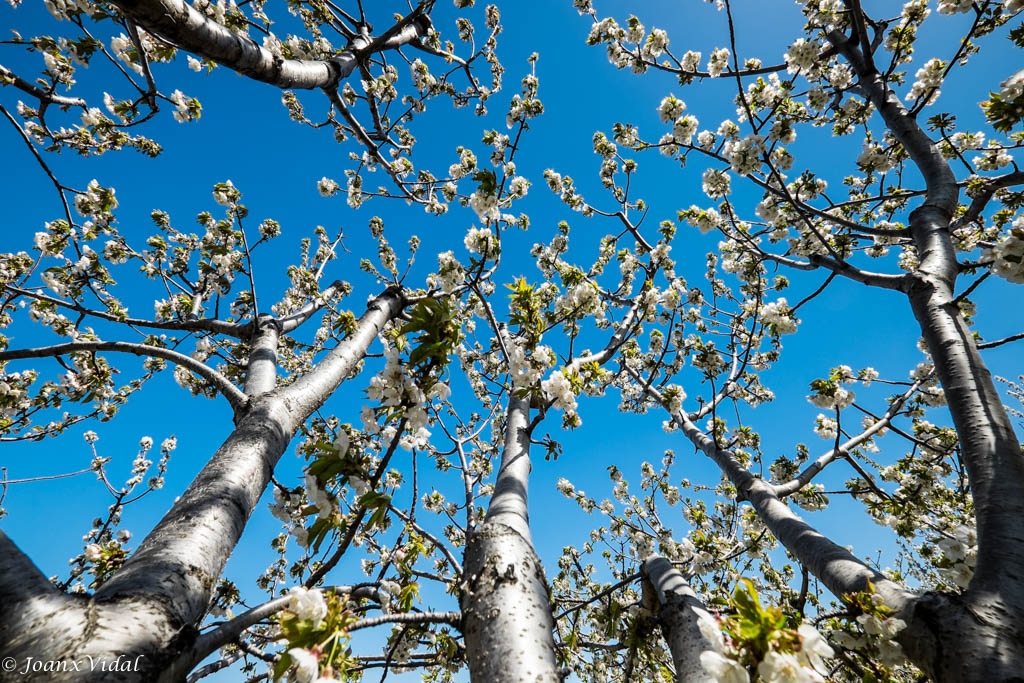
x: 418, y: 416
x: 929, y: 213
x: 261, y: 357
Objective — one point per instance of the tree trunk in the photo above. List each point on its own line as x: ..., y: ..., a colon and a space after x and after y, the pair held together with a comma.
x: 506, y: 611
x: 679, y: 613
x: 971, y: 640
x: 181, y: 25
x: 137, y: 625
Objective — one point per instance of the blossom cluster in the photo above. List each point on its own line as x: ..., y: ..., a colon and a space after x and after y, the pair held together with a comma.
x: 395, y: 387
x: 831, y: 392
x: 558, y: 389
x: 928, y: 79
x: 1007, y: 254
x: 778, y: 317
x: 802, y: 664
x: 959, y: 555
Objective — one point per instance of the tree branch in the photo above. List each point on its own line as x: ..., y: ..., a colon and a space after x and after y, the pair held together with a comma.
x: 296, y: 318
x: 8, y: 77
x: 680, y: 612
x: 177, y: 565
x: 453, y: 618
x: 261, y: 371
x: 235, y: 397
x: 834, y: 565
x: 883, y: 280
x: 508, y: 504
x: 812, y: 470
x: 234, y: 330
x: 313, y: 388
x: 230, y: 630
x: 1000, y: 342
x: 178, y: 23
x: 981, y: 200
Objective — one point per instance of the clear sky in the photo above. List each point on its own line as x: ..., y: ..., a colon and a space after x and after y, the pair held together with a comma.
x: 244, y: 135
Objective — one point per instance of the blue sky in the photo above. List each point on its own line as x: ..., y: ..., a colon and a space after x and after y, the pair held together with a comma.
x: 244, y: 135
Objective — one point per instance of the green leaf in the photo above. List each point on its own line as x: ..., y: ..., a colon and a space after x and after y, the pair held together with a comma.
x: 747, y: 603
x: 488, y: 181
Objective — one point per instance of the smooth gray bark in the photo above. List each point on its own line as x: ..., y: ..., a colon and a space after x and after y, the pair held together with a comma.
x: 978, y: 636
x: 836, y: 566
x: 179, y: 24
x: 261, y: 371
x: 679, y: 613
x: 234, y: 396
x: 151, y: 607
x: 507, y: 620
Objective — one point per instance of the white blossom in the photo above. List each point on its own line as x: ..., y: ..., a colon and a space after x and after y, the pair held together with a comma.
x: 718, y: 62
x: 715, y: 183
x: 779, y: 667
x: 558, y: 389
x: 307, y: 604
x: 327, y: 187
x: 307, y: 666
x: 722, y: 669
x: 93, y: 553
x: 671, y: 108
x: 480, y: 241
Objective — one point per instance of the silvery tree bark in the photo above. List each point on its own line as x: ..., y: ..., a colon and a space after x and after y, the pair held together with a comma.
x: 180, y: 24
x: 507, y: 621
x: 679, y: 611
x: 149, y: 610
x: 977, y: 635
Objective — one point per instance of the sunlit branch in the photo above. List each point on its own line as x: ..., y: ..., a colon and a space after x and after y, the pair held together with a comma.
x: 621, y: 335
x: 229, y: 631
x: 679, y: 613
x: 985, y: 194
x: 861, y: 32
x: 176, y: 22
x: 327, y: 259
x: 296, y: 318
x: 8, y: 77
x: 939, y: 179
x: 261, y: 367
x: 1000, y: 342
x: 235, y: 397
x: 633, y: 230
x: 834, y: 565
x: 816, y: 467
x: 883, y: 280
x: 314, y: 388
x: 213, y: 667
x: 451, y: 618
x: 43, y: 477
x: 235, y: 330
x: 144, y: 64
x: 508, y: 504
